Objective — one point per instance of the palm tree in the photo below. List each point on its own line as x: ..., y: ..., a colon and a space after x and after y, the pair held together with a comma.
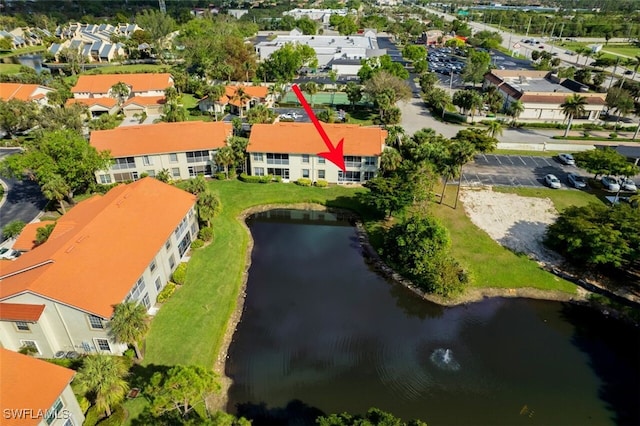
x: 394, y: 136
x: 494, y: 129
x: 242, y: 97
x: 102, y: 378
x: 573, y: 106
x: 438, y: 99
x: 636, y: 112
x: 129, y: 324
x: 208, y: 205
x: 213, y: 93
x: 461, y: 152
x: 390, y: 159
x: 448, y: 170
x: 120, y: 91
x: 56, y: 189
x: 225, y: 157
x: 515, y: 109
x: 636, y: 64
x: 260, y: 114
x: 311, y: 88
x: 624, y: 106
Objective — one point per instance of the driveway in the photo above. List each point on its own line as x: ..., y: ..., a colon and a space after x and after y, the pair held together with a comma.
x: 22, y: 199
x: 134, y: 121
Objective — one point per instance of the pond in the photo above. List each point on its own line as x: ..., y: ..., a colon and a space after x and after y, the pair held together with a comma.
x: 322, y: 333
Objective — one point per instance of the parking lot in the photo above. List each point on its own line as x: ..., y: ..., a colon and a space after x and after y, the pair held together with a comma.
x: 516, y: 170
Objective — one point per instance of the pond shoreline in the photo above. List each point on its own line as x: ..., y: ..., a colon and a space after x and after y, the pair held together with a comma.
x: 219, y: 401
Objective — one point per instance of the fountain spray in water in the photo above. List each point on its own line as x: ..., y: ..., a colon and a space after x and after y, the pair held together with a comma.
x: 443, y: 358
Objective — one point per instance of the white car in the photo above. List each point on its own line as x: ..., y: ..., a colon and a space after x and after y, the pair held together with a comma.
x: 552, y: 181
x: 628, y: 185
x: 567, y: 159
x: 576, y: 181
x: 296, y: 115
x: 10, y: 254
x: 610, y: 183
x: 286, y: 116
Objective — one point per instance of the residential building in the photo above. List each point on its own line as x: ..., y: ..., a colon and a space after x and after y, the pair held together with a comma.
x: 108, y: 249
x: 231, y: 98
x: 185, y: 149
x: 321, y: 15
x: 327, y: 47
x: 146, y: 93
x: 542, y: 93
x: 290, y: 150
x: 25, y: 92
x: 26, y: 241
x: 93, y: 41
x: 36, y: 392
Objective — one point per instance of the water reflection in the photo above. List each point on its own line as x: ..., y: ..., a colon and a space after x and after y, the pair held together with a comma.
x: 320, y: 327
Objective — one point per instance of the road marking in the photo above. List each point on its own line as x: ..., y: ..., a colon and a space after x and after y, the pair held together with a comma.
x: 523, y: 162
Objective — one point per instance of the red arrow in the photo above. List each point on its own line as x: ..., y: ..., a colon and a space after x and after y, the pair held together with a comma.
x: 335, y: 154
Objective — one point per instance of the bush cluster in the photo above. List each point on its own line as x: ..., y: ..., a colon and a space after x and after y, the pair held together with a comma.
x: 255, y: 179
x: 166, y: 292
x: 303, y: 182
x: 180, y: 274
x: 321, y: 183
x: 220, y: 176
x: 206, y: 234
x: 196, y: 244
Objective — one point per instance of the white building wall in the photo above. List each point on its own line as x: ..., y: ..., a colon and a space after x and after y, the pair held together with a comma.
x: 73, y: 410
x: 344, y: 69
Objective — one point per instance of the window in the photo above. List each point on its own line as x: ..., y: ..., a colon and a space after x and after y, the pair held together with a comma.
x: 125, y: 177
x: 145, y: 301
x: 175, y: 172
x: 167, y: 245
x: 194, y: 229
x: 258, y: 156
x: 283, y: 173
x: 22, y: 326
x: 152, y: 266
x: 30, y: 344
x: 95, y: 322
x: 124, y: 163
x: 158, y: 283
x: 151, y: 173
x: 181, y: 227
x: 370, y: 161
x: 369, y: 175
x: 52, y: 414
x: 184, y: 244
x: 197, y: 156
x: 305, y: 173
x: 137, y: 290
x: 103, y: 345
x: 105, y: 179
x: 278, y: 159
x: 146, y: 160
x: 173, y: 158
x: 348, y: 176
x: 321, y: 160
x: 352, y: 161
x: 320, y: 174
x: 305, y: 158
x: 172, y: 262
x: 203, y: 169
x: 258, y: 171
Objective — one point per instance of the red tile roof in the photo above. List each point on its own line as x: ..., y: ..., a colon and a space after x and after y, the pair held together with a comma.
x: 109, y: 238
x: 23, y: 92
x: 259, y: 92
x: 20, y: 312
x: 101, y: 83
x: 27, y: 239
x: 303, y: 138
x: 106, y: 102
x: 145, y: 100
x: 28, y: 383
x: 162, y: 138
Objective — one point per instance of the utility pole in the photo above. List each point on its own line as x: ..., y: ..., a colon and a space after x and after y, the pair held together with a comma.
x: 528, y: 26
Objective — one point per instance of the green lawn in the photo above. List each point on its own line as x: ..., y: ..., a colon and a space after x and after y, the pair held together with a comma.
x: 560, y: 198
x: 136, y: 68
x: 491, y: 264
x: 9, y: 68
x: 525, y: 152
x: 622, y: 49
x: 28, y: 49
x: 189, y: 101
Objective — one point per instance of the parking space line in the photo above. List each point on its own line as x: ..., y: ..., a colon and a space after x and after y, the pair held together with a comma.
x: 521, y: 159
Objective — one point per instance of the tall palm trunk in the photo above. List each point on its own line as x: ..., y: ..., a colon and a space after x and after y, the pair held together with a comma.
x: 136, y: 348
x: 444, y: 187
x: 566, y: 131
x: 635, y: 134
x: 455, y: 205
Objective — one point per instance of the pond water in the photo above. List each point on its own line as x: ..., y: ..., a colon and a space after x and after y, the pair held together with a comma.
x: 322, y: 333
x: 31, y: 60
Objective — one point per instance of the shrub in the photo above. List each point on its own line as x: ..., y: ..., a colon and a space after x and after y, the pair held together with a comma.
x: 233, y: 174
x: 116, y: 418
x: 266, y: 179
x: 206, y: 234
x: 92, y: 416
x: 180, y: 274
x: 251, y: 179
x: 321, y: 183
x: 220, y: 176
x: 613, y: 135
x: 196, y: 244
x: 303, y: 182
x: 129, y: 353
x: 166, y: 292
x: 278, y: 179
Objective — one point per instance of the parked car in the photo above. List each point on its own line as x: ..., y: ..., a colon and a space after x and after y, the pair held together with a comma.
x: 576, y: 181
x: 552, y: 181
x: 628, y: 185
x: 567, y: 159
x: 3, y: 251
x: 10, y: 254
x: 610, y: 183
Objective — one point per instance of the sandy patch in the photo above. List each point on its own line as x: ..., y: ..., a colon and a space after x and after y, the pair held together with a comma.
x: 518, y: 223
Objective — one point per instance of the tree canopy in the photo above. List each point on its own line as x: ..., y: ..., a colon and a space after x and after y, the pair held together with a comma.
x: 284, y: 63
x: 606, y: 161
x: 476, y: 67
x: 372, y: 66
x: 373, y: 417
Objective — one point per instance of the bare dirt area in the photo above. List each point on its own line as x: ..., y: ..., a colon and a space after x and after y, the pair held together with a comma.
x: 518, y: 223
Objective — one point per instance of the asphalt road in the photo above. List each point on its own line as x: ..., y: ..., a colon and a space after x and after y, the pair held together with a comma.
x: 24, y: 201
x: 516, y: 170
